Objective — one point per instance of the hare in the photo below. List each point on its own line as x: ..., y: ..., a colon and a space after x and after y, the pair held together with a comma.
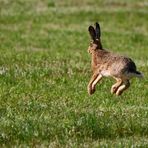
x: 105, y: 63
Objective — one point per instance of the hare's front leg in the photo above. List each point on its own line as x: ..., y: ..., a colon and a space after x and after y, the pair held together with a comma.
x: 93, y: 81
x: 123, y: 87
x: 116, y: 85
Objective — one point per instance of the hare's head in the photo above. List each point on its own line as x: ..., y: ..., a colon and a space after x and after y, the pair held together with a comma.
x: 95, y: 36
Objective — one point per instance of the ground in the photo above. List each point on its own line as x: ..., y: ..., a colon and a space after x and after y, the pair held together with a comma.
x: 45, y: 69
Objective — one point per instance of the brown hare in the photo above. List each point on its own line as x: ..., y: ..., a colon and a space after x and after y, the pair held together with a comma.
x: 105, y: 63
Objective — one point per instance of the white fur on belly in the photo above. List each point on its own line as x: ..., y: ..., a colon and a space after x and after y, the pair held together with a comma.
x: 105, y: 73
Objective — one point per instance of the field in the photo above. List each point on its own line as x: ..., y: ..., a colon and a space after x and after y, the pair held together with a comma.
x: 45, y: 69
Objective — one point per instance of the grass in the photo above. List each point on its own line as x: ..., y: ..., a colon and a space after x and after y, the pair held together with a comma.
x: 45, y: 69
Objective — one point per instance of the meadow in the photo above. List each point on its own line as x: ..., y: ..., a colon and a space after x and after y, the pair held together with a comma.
x: 45, y: 69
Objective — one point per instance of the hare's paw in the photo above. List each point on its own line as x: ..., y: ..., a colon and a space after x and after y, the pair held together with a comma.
x: 113, y: 89
x: 90, y: 90
x: 123, y: 87
x: 116, y: 86
x: 119, y: 93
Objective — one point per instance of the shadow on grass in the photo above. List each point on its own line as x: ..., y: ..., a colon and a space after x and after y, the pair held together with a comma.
x: 107, y: 125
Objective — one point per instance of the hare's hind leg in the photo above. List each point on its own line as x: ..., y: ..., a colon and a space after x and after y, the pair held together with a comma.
x: 116, y: 85
x: 93, y: 81
x: 126, y: 85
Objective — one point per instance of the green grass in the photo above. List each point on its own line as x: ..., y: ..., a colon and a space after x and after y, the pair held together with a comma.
x: 45, y: 69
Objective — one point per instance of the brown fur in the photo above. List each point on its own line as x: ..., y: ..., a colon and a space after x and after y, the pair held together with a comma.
x: 105, y: 63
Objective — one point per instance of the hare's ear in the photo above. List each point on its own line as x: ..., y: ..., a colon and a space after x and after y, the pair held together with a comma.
x: 92, y: 32
x: 98, y: 30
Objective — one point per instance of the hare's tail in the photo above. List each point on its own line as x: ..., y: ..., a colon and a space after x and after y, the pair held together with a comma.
x: 138, y: 74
